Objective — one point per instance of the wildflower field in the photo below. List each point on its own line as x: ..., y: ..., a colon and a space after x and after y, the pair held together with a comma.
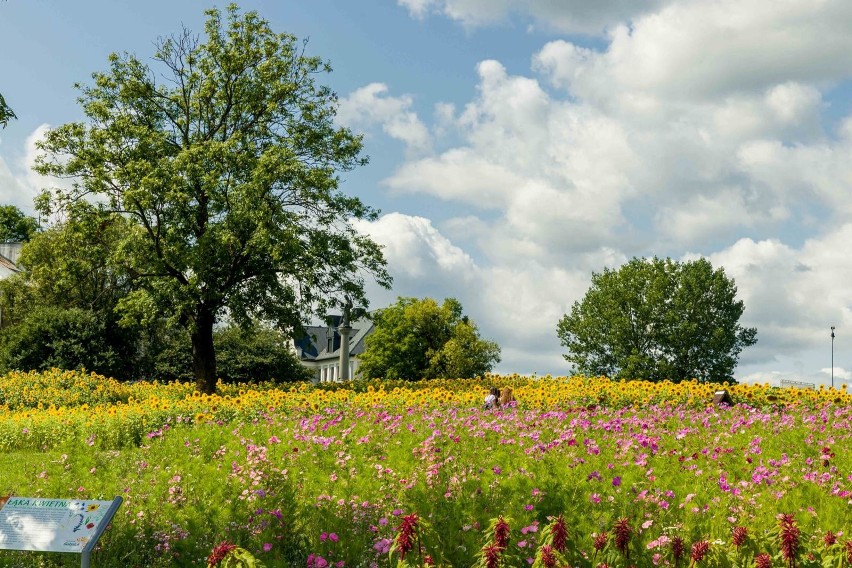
x: 580, y: 472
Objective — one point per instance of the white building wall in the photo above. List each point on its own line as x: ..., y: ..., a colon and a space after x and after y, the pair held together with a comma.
x: 330, y: 372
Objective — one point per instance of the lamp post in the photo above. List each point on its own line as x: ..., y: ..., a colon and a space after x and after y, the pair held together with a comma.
x: 832, y: 356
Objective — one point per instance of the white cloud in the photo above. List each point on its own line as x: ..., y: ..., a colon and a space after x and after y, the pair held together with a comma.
x: 580, y: 16
x: 459, y: 174
x: 839, y: 374
x: 698, y: 50
x: 371, y: 105
x: 517, y: 306
x: 13, y: 190
x: 792, y: 295
x: 420, y: 259
x: 698, y: 126
x: 19, y: 184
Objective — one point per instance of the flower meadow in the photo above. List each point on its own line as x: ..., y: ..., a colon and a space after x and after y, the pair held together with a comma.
x: 580, y: 472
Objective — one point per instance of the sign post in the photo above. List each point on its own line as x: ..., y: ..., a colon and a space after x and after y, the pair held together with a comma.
x: 55, y: 525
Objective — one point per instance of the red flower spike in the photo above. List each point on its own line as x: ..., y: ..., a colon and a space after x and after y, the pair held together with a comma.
x: 699, y: 551
x: 621, y: 533
x: 789, y: 535
x: 763, y: 560
x: 559, y: 532
x: 491, y: 556
x: 677, y: 549
x: 848, y: 547
x: 219, y: 552
x: 829, y: 538
x: 548, y: 559
x: 740, y: 534
x: 600, y: 541
x: 405, y: 536
x: 501, y: 533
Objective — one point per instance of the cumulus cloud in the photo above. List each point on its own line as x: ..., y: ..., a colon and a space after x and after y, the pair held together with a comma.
x: 519, y: 306
x: 422, y: 261
x: 573, y: 16
x: 703, y: 50
x: 695, y: 126
x: 371, y: 105
x: 13, y: 189
x: 19, y: 184
x: 792, y: 295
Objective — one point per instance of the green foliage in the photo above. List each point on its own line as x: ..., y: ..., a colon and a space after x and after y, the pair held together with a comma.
x: 227, y: 172
x: 6, y: 113
x: 76, y: 263
x: 67, y: 339
x: 15, y: 226
x: 244, y: 355
x: 71, y: 274
x: 257, y: 354
x: 416, y: 339
x: 240, y: 558
x: 657, y: 319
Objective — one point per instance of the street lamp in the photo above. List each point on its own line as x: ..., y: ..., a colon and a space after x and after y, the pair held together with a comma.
x: 832, y: 356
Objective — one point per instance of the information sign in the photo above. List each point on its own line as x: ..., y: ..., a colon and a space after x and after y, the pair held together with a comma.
x: 54, y: 525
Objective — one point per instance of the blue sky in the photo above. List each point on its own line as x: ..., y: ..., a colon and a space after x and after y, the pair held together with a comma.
x: 516, y: 146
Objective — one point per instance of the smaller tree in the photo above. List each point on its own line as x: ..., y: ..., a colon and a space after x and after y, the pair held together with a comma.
x: 418, y: 339
x: 655, y: 320
x: 257, y: 354
x: 15, y: 226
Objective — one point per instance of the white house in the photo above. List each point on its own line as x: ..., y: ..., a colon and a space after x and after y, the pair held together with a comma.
x: 321, y: 348
x: 9, y: 254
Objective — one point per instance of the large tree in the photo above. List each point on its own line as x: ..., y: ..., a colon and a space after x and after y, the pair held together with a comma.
x: 225, y: 159
x: 419, y: 339
x: 657, y: 319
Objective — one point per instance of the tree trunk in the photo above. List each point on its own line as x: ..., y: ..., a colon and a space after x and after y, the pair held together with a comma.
x: 203, y: 352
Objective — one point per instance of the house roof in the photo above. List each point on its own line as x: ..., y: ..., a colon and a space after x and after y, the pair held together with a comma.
x: 7, y: 265
x: 314, y: 346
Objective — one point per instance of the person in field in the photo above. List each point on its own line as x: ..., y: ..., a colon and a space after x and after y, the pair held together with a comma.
x: 506, y: 396
x: 492, y: 399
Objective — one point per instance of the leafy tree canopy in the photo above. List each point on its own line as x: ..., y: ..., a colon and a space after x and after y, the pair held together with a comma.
x: 6, y: 113
x: 75, y: 263
x: 655, y: 320
x: 224, y: 161
x: 416, y: 339
x: 73, y: 338
x: 252, y: 354
x: 15, y: 226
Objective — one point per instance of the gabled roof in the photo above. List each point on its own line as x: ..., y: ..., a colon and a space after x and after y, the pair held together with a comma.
x: 9, y: 253
x: 314, y: 345
x: 8, y: 264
